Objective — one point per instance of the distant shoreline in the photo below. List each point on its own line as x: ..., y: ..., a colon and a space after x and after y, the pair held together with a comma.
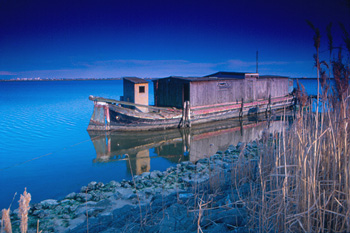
x: 75, y: 79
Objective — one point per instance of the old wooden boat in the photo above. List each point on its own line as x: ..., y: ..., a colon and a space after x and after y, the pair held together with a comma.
x: 185, y: 101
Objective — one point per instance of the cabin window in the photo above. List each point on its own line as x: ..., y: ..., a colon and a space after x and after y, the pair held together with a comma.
x: 223, y: 85
x: 141, y: 89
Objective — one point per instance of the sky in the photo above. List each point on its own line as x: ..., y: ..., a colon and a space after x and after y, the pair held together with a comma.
x: 112, y: 39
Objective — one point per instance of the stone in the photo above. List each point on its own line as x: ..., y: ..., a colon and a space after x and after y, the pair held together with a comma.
x: 99, y: 185
x: 130, y: 196
x: 139, y: 186
x: 147, y: 183
x: 84, y: 197
x: 185, y: 195
x: 49, y: 204
x: 41, y: 213
x: 191, y: 167
x: 73, y: 208
x: 117, y: 195
x: 125, y: 185
x: 103, y: 203
x: 176, y: 220
x: 65, y: 216
x: 71, y: 196
x: 154, y: 175
x: 94, y: 211
x: 105, y: 218
x: 92, y: 185
x: 114, y: 184
x: 146, y: 175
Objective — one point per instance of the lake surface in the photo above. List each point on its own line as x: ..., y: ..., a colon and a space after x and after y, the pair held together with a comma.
x: 46, y: 148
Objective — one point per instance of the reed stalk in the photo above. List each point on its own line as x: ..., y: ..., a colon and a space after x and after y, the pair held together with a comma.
x: 23, y: 210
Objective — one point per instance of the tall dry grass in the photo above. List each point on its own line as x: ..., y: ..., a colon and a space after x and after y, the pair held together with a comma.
x: 22, y: 214
x: 304, y: 177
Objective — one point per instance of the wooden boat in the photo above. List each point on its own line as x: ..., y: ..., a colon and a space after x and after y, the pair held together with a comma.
x: 183, y: 102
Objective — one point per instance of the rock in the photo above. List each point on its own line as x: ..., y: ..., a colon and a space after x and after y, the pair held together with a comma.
x: 114, y: 184
x: 130, y: 196
x: 71, y: 196
x: 99, y: 185
x: 117, y: 195
x: 203, y: 161
x: 88, y: 204
x: 49, y: 204
x: 83, y: 197
x: 147, y: 183
x: 40, y: 213
x: 104, y: 203
x: 125, y: 185
x: 37, y: 206
x: 105, y: 218
x: 66, y: 202
x: 139, y: 186
x: 176, y: 220
x: 148, y: 191
x: 191, y: 167
x: 146, y: 175
x: 185, y: 195
x: 65, y: 216
x: 154, y: 175
x: 73, y: 208
x: 97, y: 196
x: 94, y: 211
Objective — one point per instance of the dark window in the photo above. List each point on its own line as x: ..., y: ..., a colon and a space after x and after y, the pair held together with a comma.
x: 223, y: 85
x: 141, y: 89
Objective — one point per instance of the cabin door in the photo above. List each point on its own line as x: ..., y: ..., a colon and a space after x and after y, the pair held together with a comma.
x: 250, y: 90
x: 186, y: 92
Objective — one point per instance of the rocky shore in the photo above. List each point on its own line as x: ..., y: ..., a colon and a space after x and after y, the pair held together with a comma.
x: 206, y: 195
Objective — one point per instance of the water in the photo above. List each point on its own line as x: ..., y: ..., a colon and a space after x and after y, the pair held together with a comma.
x: 44, y: 143
x: 46, y: 148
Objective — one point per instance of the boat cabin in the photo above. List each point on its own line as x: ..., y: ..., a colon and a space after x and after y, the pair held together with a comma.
x: 135, y: 90
x: 218, y: 88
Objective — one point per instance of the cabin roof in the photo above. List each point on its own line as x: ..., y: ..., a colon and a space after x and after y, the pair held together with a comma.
x: 224, y: 74
x: 197, y: 79
x: 220, y: 76
x: 135, y: 80
x: 272, y: 76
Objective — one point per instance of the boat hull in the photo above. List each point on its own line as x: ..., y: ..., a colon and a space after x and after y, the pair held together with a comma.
x: 109, y: 116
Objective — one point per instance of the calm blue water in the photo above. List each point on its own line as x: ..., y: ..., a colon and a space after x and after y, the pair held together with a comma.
x: 44, y: 145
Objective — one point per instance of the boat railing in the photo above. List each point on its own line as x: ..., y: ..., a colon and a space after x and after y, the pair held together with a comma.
x: 118, y: 102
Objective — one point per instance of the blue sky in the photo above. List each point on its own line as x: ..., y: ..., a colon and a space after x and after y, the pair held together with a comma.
x: 104, y: 39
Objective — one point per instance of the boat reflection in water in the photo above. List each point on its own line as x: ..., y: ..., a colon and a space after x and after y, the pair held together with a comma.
x: 177, y: 145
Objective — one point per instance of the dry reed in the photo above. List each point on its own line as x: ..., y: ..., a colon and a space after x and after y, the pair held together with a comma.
x: 23, y: 210
x: 6, y: 221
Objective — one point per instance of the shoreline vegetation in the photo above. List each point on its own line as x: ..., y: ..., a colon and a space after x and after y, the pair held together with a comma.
x: 297, y: 180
